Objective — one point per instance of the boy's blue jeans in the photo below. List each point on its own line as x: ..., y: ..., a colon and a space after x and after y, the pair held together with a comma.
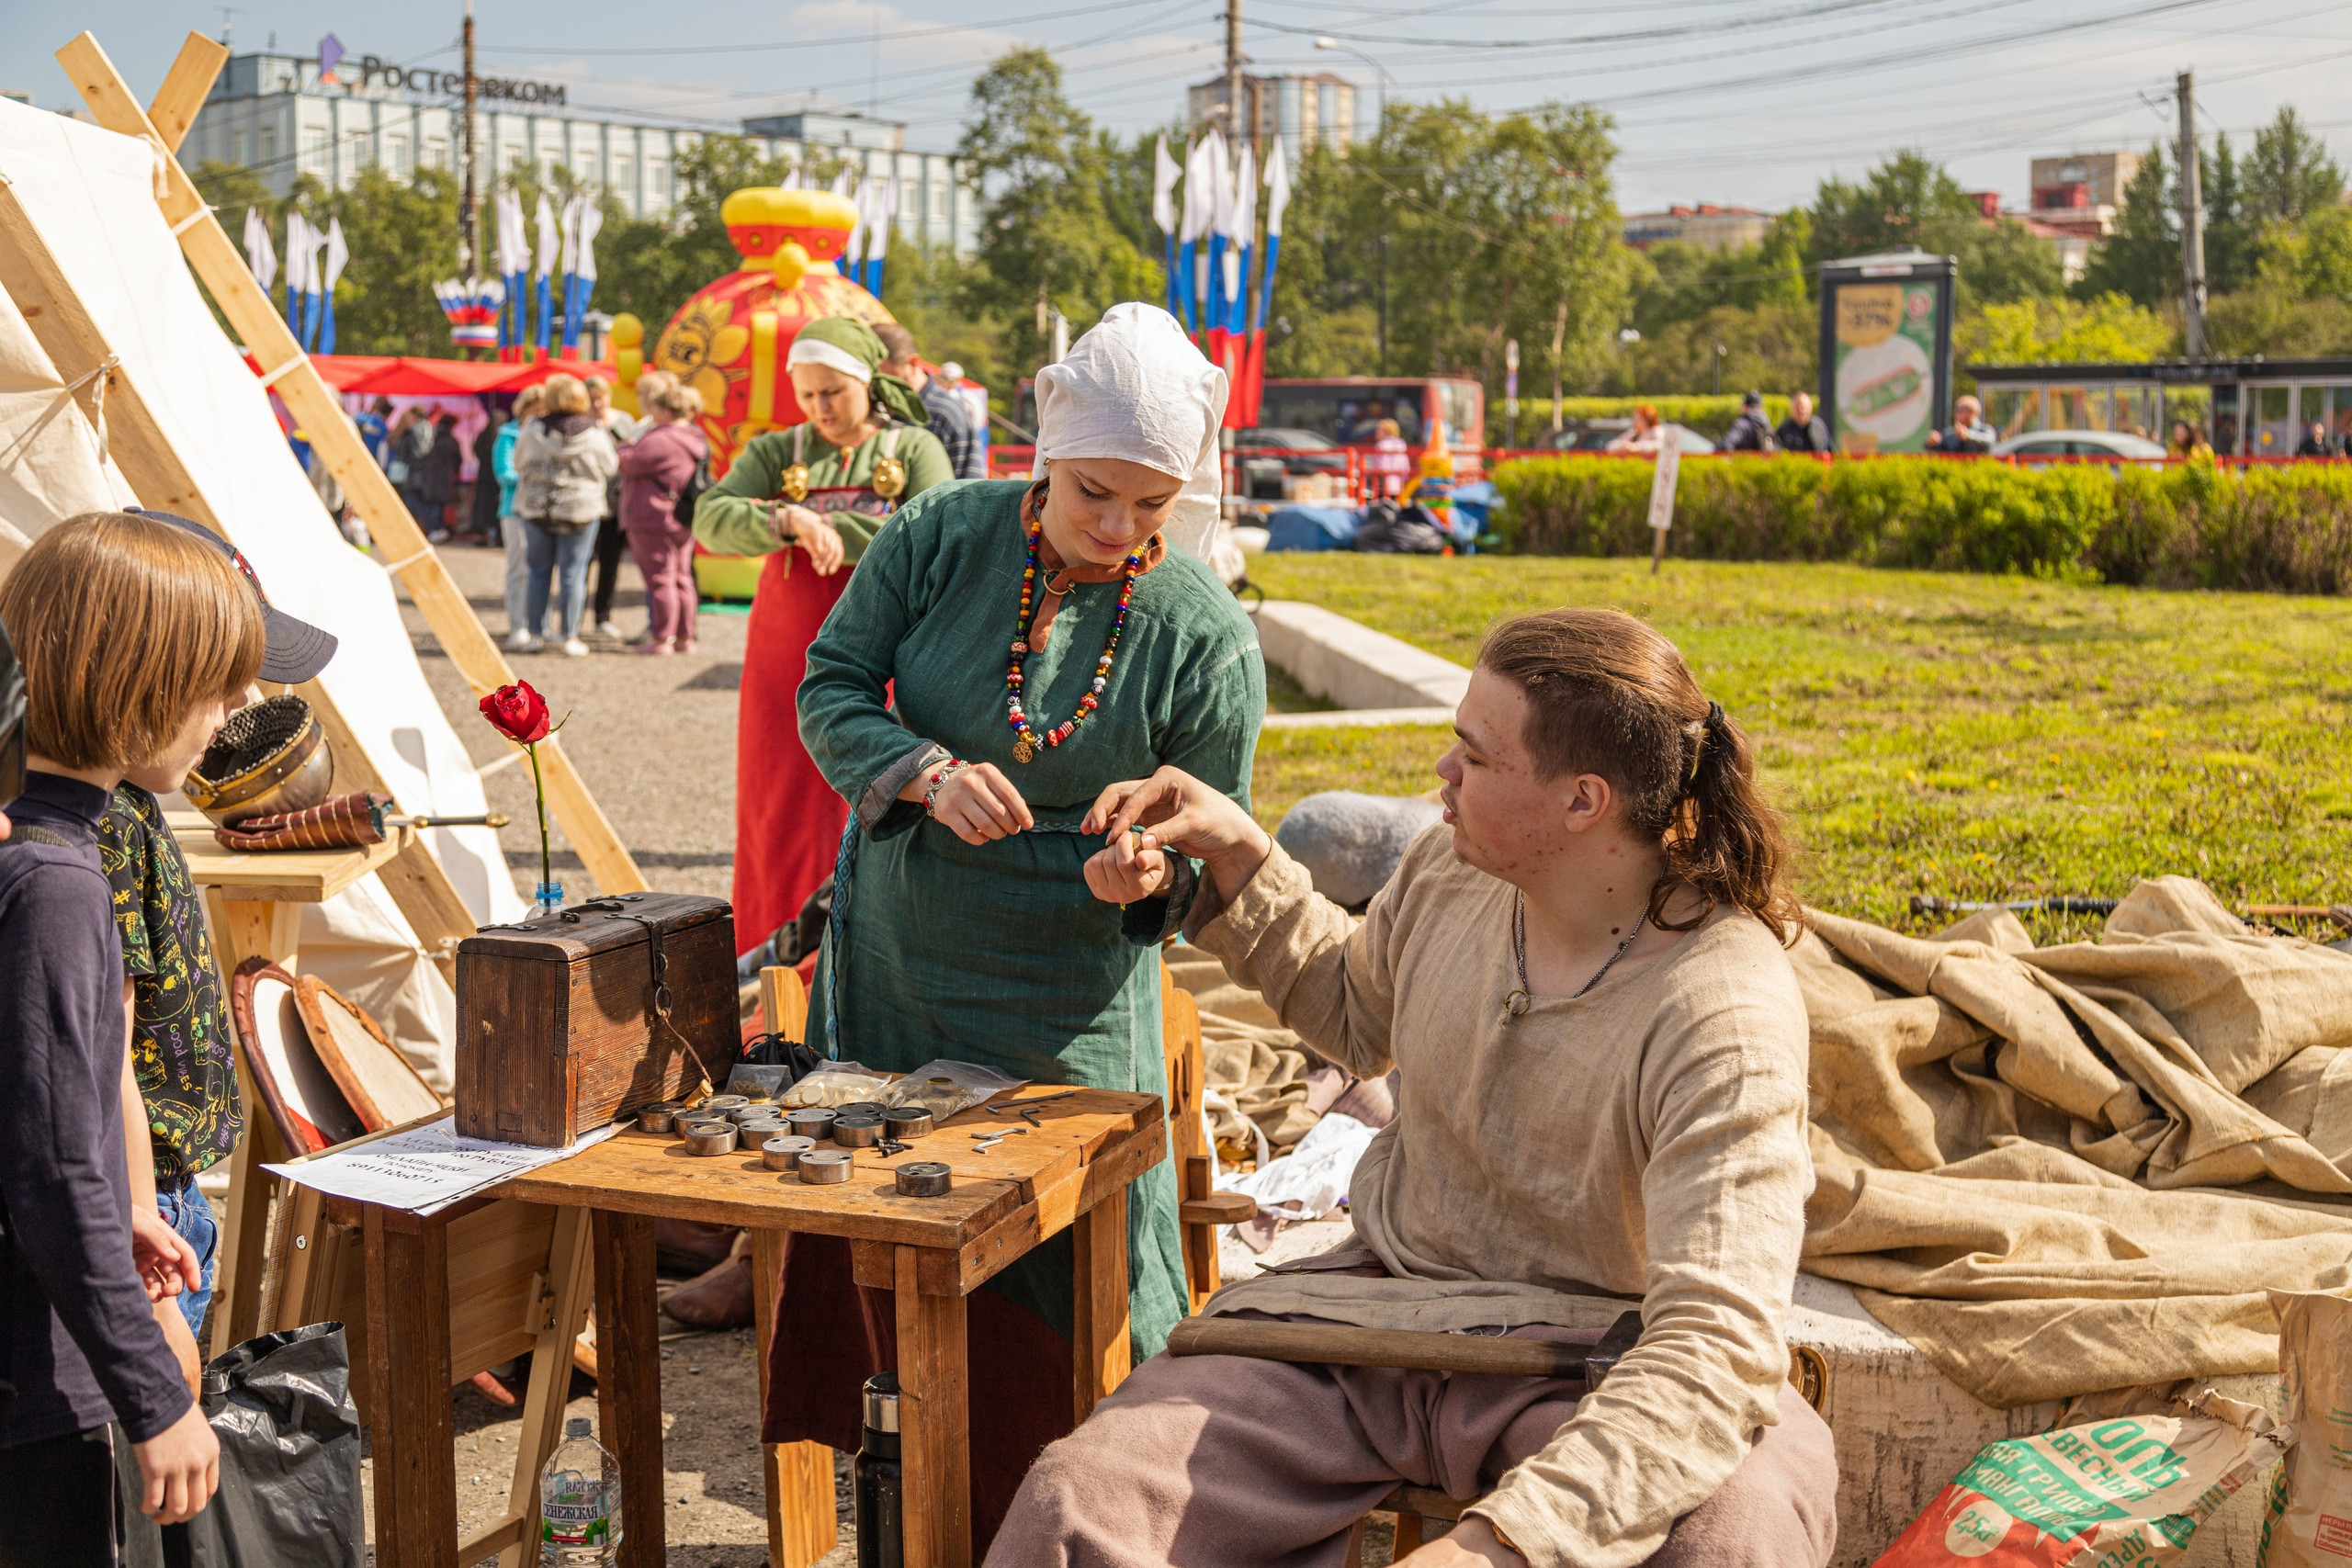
x: 185, y: 1210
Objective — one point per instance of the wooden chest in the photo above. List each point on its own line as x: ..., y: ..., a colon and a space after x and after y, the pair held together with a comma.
x: 558, y: 1024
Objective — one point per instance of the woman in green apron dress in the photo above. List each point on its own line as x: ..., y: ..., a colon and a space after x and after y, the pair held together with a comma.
x: 810, y: 498
x: 1005, y: 651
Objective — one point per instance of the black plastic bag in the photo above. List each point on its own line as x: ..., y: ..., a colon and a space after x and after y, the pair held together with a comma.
x: 1387, y: 529
x: 289, y: 1495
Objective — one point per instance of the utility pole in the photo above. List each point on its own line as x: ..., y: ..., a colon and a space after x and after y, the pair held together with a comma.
x: 2192, y: 222
x: 1237, y: 120
x: 468, y: 253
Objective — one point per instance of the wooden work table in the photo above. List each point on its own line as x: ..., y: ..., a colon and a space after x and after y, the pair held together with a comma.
x: 1070, y: 1171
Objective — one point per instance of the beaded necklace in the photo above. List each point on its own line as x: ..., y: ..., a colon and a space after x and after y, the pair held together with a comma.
x: 1025, y: 746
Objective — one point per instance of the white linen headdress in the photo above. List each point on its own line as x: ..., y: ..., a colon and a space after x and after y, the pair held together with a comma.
x: 1134, y: 387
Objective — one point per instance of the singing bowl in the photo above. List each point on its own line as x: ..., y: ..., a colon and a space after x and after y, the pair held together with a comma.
x: 271, y: 756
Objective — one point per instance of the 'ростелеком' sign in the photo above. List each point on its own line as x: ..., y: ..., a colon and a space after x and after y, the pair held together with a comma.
x: 453, y: 83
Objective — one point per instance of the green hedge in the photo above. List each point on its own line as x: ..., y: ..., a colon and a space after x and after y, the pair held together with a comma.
x: 2287, y: 528
x: 1709, y: 416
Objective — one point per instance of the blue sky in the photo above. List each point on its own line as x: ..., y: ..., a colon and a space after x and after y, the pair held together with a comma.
x: 1745, y: 102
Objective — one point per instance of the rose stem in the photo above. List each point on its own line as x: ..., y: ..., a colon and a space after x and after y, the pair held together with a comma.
x: 539, y: 788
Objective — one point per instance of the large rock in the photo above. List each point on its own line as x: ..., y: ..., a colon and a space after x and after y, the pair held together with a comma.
x: 1351, y: 843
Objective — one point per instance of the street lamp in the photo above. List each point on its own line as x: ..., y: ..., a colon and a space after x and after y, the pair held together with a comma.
x: 1385, y: 80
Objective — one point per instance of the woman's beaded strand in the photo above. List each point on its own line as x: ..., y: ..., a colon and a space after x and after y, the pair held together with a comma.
x: 1026, y: 739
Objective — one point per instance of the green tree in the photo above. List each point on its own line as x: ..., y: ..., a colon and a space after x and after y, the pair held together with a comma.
x: 1047, y: 238
x: 2057, y: 330
x: 1474, y: 230
x: 1902, y: 204
x: 2141, y: 260
x: 2289, y: 177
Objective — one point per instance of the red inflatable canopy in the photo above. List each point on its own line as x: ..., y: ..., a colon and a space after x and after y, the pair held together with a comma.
x: 400, y: 376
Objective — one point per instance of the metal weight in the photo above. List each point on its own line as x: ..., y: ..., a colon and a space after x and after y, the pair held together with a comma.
x: 907, y: 1123
x: 857, y: 1131
x: 784, y: 1152
x: 924, y: 1178
x: 710, y: 1138
x: 825, y: 1168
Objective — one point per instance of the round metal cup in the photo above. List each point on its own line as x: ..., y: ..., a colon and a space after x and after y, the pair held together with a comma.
x: 709, y: 1138
x: 862, y: 1108
x: 825, y: 1168
x: 857, y: 1131
x: 685, y: 1121
x: 924, y: 1178
x: 747, y: 1112
x: 751, y: 1135
x: 812, y: 1121
x: 783, y: 1152
x: 661, y: 1117
x: 907, y: 1123
x: 723, y: 1104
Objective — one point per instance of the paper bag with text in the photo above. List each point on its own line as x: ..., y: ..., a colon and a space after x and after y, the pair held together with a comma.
x: 2310, y: 1520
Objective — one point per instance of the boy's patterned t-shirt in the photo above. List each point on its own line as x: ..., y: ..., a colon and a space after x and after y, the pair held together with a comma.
x: 180, y: 1042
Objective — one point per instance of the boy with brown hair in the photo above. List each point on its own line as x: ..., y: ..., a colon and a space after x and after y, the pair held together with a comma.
x: 134, y: 639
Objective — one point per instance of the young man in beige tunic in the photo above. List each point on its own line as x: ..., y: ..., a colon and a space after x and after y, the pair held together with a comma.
x: 1600, y: 1051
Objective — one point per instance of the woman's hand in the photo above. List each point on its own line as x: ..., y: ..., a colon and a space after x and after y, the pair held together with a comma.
x: 166, y: 1263
x: 977, y: 802
x: 1183, y: 814
x: 1471, y: 1544
x: 814, y: 535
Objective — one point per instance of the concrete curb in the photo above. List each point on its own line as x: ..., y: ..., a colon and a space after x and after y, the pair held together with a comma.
x: 1339, y: 659
x: 1352, y: 718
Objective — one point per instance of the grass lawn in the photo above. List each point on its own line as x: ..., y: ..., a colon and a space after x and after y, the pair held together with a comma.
x: 1974, y: 737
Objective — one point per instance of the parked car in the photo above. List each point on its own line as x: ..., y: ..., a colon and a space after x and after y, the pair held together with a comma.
x: 1303, y: 451
x: 1595, y: 435
x: 2108, y: 446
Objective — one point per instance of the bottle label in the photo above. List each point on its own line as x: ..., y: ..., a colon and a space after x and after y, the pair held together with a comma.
x: 574, y: 1513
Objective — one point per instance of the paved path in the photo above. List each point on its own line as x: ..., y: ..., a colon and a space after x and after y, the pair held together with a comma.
x: 654, y: 737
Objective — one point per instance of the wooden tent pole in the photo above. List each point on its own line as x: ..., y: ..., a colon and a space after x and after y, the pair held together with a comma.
x: 215, y: 259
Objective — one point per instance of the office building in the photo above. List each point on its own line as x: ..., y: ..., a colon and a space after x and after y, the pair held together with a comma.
x: 284, y: 115
x: 1305, y: 110
x: 1707, y: 226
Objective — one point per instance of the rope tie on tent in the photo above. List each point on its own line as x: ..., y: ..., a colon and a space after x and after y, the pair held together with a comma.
x: 9, y: 458
x: 192, y: 219
x: 407, y: 561
x: 273, y: 377
x: 159, y: 170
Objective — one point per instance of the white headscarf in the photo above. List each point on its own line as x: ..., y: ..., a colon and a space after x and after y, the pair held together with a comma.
x: 1134, y: 387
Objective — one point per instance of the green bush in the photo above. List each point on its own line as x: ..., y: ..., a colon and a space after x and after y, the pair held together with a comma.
x: 2285, y: 528
x: 1709, y: 416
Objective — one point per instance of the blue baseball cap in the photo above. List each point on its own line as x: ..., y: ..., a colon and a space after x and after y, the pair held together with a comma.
x: 296, y: 649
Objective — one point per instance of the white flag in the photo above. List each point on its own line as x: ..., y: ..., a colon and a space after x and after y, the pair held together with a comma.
x: 1277, y: 186
x: 571, y: 232
x: 260, y: 255
x: 591, y: 219
x: 513, y: 245
x: 886, y: 212
x: 1164, y: 170
x: 338, y: 255
x: 550, y: 238
x: 841, y: 181
x: 301, y: 254
x: 1199, y: 206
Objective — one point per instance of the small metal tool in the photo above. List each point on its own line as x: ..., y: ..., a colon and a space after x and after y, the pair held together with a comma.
x: 1023, y: 1107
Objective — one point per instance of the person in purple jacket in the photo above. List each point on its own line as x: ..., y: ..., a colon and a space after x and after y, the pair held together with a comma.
x: 135, y: 640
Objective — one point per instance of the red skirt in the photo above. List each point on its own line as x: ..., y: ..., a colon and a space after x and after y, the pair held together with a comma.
x: 787, y: 819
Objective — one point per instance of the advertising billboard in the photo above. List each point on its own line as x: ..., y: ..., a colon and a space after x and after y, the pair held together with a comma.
x: 1886, y: 351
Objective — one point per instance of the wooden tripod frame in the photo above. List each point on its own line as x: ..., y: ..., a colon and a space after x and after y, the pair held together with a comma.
x: 289, y: 371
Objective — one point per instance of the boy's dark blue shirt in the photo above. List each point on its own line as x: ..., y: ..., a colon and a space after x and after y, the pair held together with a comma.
x: 80, y: 1339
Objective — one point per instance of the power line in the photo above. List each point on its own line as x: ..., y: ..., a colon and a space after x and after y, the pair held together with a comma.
x: 1645, y: 35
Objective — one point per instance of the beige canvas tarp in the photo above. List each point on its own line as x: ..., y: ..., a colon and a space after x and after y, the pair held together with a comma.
x: 2063, y: 1169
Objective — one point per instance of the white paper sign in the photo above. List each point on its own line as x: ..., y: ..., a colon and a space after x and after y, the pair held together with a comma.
x: 426, y: 1169
x: 1670, y: 467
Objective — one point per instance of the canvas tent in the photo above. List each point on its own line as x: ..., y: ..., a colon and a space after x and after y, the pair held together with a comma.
x: 90, y: 197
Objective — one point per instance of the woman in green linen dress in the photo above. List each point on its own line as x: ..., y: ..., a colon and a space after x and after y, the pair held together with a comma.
x: 809, y: 498
x: 967, y: 930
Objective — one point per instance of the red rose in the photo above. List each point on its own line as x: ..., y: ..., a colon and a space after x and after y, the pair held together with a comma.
x: 517, y: 712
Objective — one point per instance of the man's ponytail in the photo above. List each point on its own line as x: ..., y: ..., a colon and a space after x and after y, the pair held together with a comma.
x: 1609, y: 695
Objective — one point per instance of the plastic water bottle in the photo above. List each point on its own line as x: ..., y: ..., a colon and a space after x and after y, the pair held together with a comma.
x: 580, y: 1503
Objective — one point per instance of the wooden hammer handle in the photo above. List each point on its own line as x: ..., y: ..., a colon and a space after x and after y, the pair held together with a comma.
x: 1341, y: 1344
